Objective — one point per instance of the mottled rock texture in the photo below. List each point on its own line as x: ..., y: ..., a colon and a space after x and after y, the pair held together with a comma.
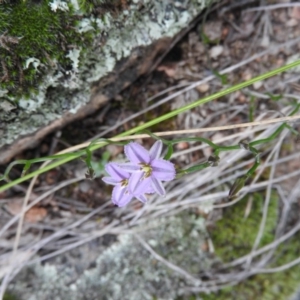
x: 125, y: 270
x: 61, y: 60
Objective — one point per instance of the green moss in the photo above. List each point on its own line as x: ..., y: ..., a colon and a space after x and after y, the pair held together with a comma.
x: 8, y: 296
x: 234, y: 237
x: 30, y: 29
x: 102, y: 6
x: 229, y: 238
x: 279, y: 286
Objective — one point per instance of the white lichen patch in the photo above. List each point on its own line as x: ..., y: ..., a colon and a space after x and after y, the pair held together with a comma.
x: 85, y: 25
x: 34, y: 61
x: 6, y: 106
x: 74, y: 55
x: 3, y: 93
x: 58, y: 5
x: 34, y: 103
x: 75, y: 4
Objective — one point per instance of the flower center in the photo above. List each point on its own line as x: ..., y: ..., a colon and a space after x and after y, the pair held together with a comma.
x: 147, y: 169
x: 124, y: 182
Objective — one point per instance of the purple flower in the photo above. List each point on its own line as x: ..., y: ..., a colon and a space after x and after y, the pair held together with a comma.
x: 147, y: 169
x: 121, y: 196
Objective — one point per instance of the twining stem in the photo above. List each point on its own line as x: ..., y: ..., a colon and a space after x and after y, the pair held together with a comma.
x: 214, y: 159
x: 153, y: 122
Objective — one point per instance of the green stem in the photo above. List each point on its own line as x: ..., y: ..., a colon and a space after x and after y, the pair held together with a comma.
x: 209, y: 98
x: 156, y: 121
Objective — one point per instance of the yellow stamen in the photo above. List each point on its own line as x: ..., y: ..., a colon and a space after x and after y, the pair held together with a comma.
x: 147, y: 169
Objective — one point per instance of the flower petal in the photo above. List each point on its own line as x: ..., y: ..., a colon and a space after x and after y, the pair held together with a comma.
x: 116, y: 172
x: 142, y: 198
x: 163, y: 170
x: 130, y: 167
x: 110, y: 180
x: 137, y: 184
x: 149, y: 189
x: 158, y: 186
x: 136, y: 153
x: 121, y: 196
x: 155, y: 150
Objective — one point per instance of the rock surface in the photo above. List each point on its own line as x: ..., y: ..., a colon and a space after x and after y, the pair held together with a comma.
x: 124, y: 46
x: 124, y: 270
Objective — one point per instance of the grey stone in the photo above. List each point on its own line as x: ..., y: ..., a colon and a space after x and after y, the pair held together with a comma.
x: 108, y: 67
x: 125, y: 270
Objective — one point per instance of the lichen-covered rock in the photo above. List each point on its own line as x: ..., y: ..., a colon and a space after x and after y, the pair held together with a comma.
x: 58, y: 57
x: 125, y: 270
